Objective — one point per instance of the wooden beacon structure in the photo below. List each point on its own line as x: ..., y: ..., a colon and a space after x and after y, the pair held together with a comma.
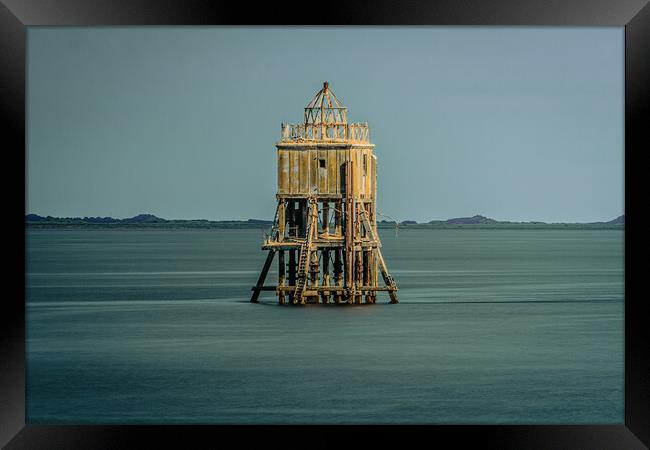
x: 325, y: 221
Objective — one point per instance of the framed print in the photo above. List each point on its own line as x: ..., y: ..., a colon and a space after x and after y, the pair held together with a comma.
x: 390, y: 219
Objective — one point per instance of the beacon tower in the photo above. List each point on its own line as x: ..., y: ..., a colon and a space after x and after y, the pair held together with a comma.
x: 325, y: 228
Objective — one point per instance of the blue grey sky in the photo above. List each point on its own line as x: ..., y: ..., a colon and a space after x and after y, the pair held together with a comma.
x: 515, y: 123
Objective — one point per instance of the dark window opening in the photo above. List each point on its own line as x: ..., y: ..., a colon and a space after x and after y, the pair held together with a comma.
x: 321, y: 163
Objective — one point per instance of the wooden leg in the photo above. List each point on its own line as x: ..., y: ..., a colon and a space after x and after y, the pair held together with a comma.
x: 292, y: 274
x: 366, y: 274
x: 387, y: 278
x: 326, y: 275
x: 338, y: 274
x: 313, y: 272
x: 260, y: 280
x: 281, y: 276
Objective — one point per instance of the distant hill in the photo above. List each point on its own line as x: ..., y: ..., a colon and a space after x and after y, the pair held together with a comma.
x: 139, y: 221
x: 620, y: 220
x: 479, y: 221
x: 470, y: 220
x: 144, y: 218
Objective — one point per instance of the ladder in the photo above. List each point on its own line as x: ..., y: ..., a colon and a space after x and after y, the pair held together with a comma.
x: 303, y: 260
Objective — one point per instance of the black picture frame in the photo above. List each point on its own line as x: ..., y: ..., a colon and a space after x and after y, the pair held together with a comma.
x: 17, y: 15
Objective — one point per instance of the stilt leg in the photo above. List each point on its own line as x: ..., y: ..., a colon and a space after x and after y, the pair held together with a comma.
x: 338, y: 274
x: 326, y: 275
x: 292, y: 275
x: 387, y: 278
x: 281, y: 276
x: 260, y: 280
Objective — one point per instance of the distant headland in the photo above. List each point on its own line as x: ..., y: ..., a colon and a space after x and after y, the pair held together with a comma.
x: 479, y: 221
x: 151, y: 221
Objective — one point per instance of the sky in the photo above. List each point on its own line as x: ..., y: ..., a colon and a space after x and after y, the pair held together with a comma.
x: 514, y: 123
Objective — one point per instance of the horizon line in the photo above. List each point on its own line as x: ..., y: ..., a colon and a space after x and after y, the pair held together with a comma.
x: 269, y: 220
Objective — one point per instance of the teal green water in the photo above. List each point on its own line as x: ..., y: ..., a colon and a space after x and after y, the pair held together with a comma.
x: 494, y: 326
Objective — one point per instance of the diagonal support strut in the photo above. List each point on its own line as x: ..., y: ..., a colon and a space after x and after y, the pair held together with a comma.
x: 260, y: 280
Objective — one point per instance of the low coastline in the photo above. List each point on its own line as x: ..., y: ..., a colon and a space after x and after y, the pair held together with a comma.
x: 149, y: 221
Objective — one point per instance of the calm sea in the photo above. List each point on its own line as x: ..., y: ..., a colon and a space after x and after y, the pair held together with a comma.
x: 494, y: 326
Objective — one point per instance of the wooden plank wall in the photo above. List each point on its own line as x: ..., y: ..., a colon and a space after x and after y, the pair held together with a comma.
x: 299, y: 171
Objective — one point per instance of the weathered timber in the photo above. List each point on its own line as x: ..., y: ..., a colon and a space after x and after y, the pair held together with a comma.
x: 260, y: 280
x: 290, y: 288
x: 326, y: 167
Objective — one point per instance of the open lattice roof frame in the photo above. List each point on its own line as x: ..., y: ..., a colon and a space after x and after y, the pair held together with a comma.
x: 325, y: 108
